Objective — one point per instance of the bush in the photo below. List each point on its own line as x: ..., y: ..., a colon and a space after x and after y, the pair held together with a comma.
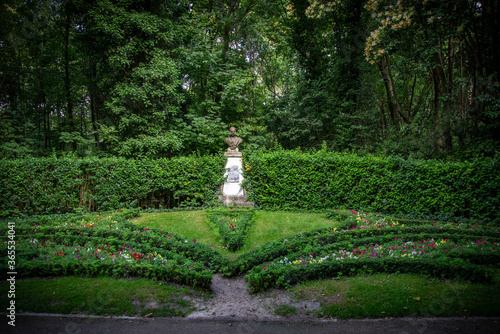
x: 294, y: 180
x: 231, y: 224
x: 106, y: 245
x: 50, y: 185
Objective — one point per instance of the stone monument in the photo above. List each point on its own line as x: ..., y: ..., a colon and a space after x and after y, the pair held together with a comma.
x: 232, y: 191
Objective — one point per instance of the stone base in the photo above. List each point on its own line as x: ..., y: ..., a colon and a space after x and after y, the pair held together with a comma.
x: 240, y: 200
x: 233, y: 154
x: 232, y: 192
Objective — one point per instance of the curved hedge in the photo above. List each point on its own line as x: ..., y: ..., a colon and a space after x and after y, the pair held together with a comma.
x: 51, y: 185
x: 295, y: 180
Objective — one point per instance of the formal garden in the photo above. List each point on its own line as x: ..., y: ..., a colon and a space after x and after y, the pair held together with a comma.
x: 306, y: 234
x: 360, y: 178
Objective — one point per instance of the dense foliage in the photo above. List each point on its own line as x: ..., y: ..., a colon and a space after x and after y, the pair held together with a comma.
x: 51, y: 185
x: 161, y: 78
x: 296, y: 180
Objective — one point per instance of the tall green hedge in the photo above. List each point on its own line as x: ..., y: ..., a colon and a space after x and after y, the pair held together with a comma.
x: 278, y: 180
x: 50, y: 185
x: 291, y: 180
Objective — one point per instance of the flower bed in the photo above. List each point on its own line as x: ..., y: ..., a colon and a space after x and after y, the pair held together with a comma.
x: 49, y: 258
x: 357, y: 230
x: 282, y: 276
x: 107, y: 244
x: 366, y: 243
x: 231, y: 224
x: 113, y: 227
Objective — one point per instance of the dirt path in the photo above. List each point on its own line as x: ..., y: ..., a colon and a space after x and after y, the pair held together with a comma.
x: 232, y: 301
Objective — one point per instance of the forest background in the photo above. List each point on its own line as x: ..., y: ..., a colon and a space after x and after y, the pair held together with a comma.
x: 162, y: 78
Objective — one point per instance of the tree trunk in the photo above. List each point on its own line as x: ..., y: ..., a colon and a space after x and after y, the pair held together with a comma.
x: 392, y: 98
x: 67, y: 83
x: 443, y: 89
x: 93, y: 104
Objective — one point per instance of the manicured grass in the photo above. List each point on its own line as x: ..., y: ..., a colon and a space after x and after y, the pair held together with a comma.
x: 98, y: 296
x: 267, y: 227
x: 271, y: 226
x: 189, y: 224
x: 399, y: 295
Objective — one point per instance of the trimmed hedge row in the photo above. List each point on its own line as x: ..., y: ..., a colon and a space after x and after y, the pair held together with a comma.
x: 231, y: 224
x: 278, y: 180
x: 173, y: 273
x: 46, y: 229
x: 294, y: 180
x: 260, y: 279
x: 51, y: 185
x: 323, y: 240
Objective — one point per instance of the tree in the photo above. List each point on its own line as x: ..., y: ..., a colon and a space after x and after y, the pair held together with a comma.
x: 448, y: 39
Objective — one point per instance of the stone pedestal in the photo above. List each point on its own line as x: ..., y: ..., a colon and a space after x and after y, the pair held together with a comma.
x: 233, y: 193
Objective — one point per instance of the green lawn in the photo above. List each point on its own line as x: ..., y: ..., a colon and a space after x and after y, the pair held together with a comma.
x: 271, y: 226
x: 400, y: 295
x: 267, y: 227
x: 190, y: 224
x: 101, y: 295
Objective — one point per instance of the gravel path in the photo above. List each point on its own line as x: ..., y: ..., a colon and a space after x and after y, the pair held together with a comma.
x: 232, y: 301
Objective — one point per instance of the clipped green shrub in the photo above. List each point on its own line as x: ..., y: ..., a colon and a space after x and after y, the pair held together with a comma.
x: 373, y: 230
x: 269, y: 277
x: 294, y: 180
x: 231, y: 224
x: 50, y: 185
x: 104, y: 244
